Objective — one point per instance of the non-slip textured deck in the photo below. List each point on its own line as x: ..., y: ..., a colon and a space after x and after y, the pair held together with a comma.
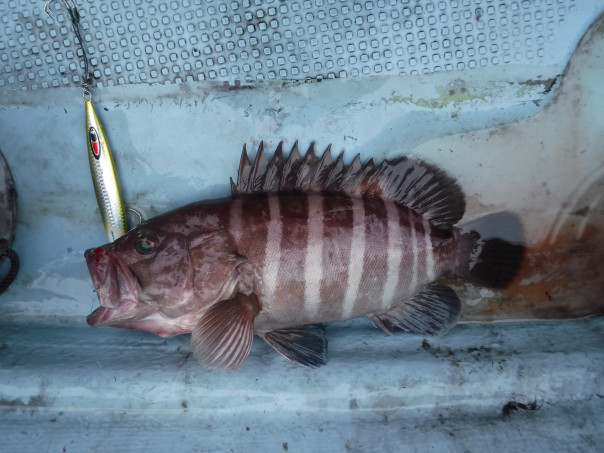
x: 136, y: 41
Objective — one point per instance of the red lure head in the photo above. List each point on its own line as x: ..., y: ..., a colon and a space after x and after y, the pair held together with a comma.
x: 95, y: 145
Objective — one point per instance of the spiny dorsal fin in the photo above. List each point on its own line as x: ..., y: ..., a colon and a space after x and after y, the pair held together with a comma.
x: 307, y: 170
x: 243, y: 177
x: 336, y: 174
x: 320, y: 180
x: 419, y: 185
x: 258, y: 172
x: 274, y: 171
x: 290, y: 170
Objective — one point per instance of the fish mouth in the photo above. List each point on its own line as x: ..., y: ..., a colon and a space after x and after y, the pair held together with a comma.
x: 116, y: 288
x: 121, y: 316
x: 99, y: 267
x: 98, y: 316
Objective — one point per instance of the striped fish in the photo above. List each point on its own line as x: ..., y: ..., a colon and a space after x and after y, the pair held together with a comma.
x: 302, y: 241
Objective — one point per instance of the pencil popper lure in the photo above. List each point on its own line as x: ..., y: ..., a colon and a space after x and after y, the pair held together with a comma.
x: 102, y: 166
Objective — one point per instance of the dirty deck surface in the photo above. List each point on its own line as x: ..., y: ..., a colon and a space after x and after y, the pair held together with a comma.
x: 480, y: 388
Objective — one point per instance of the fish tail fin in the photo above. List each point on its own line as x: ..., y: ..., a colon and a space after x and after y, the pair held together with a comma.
x: 490, y: 250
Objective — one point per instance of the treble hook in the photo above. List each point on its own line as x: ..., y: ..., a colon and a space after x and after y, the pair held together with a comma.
x: 141, y: 217
x: 74, y: 17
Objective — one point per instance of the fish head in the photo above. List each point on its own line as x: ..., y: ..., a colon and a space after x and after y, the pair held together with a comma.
x: 160, y: 279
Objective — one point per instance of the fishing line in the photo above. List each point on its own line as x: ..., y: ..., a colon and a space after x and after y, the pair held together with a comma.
x: 74, y: 17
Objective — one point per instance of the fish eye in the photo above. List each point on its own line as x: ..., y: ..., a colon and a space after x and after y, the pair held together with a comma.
x: 145, y: 244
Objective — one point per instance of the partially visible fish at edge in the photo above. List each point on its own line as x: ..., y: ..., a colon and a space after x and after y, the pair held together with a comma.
x: 104, y: 176
x: 301, y: 241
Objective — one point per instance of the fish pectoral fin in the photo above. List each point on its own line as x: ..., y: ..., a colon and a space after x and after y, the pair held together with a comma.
x: 432, y: 311
x: 306, y: 345
x: 223, y: 336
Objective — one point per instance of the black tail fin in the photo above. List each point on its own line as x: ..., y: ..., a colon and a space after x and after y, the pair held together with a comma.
x: 491, y: 250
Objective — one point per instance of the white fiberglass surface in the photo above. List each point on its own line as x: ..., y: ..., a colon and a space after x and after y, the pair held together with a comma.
x: 519, y: 133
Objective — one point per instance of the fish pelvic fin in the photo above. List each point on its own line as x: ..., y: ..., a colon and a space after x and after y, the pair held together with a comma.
x: 305, y: 345
x: 491, y: 250
x: 411, y: 182
x: 223, y: 336
x: 432, y: 311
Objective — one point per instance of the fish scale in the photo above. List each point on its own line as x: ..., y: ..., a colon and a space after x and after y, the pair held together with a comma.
x: 336, y: 248
x: 302, y: 240
x: 277, y: 245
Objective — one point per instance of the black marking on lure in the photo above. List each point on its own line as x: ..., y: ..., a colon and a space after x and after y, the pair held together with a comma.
x: 95, y: 145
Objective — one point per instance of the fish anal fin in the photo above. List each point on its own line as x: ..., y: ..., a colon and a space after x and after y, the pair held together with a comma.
x: 223, y: 336
x: 305, y: 345
x: 432, y: 311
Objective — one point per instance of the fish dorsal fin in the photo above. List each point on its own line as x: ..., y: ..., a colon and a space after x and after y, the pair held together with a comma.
x: 307, y: 170
x: 419, y: 185
x: 223, y: 336
x: 274, y: 171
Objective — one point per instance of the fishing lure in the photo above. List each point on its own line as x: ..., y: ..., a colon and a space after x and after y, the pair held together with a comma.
x: 104, y: 175
x: 102, y: 166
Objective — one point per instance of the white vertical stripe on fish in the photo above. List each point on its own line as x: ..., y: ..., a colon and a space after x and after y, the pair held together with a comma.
x: 235, y: 220
x: 415, y: 253
x: 272, y: 255
x: 357, y: 257
x: 430, y: 271
x: 395, y: 254
x: 313, y: 265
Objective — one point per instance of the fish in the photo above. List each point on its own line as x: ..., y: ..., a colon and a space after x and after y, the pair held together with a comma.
x: 104, y: 175
x: 302, y: 241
